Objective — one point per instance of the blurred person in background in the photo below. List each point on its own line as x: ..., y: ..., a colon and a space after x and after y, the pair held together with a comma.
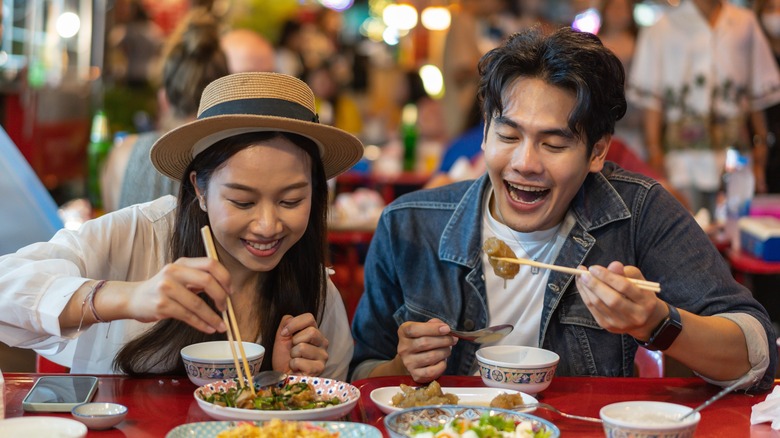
x: 335, y: 105
x: 247, y: 50
x: 193, y: 59
x: 768, y: 12
x: 618, y: 32
x: 469, y: 36
x: 140, y: 42
x: 289, y: 56
x: 700, y: 74
x: 196, y: 56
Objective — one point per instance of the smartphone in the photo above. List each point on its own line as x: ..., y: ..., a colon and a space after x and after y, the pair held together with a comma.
x: 59, y: 393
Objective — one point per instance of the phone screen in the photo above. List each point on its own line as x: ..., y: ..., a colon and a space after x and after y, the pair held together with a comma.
x: 60, y: 392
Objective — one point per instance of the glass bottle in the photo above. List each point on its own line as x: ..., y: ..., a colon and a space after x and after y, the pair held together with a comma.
x: 409, y: 136
x: 97, y: 152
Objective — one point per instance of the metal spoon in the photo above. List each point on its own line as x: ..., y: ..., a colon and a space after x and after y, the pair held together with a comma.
x: 524, y: 407
x: 268, y: 378
x: 717, y: 396
x: 485, y: 335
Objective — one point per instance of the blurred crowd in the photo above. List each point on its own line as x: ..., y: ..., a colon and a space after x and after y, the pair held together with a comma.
x: 701, y: 81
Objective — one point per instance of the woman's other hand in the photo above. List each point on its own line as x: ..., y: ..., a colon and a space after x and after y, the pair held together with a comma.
x: 300, y: 347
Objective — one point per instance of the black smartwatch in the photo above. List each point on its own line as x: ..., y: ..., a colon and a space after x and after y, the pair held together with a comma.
x: 665, y: 333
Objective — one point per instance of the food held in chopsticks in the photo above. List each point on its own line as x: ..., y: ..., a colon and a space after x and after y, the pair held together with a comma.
x: 496, y: 248
x: 428, y: 395
x: 486, y: 426
x: 641, y: 284
x: 277, y: 429
x: 292, y: 396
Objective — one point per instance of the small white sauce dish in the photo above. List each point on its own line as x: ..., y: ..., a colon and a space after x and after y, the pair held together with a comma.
x: 99, y: 415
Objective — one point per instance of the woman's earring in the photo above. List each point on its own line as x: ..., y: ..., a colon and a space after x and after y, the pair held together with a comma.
x: 202, y: 203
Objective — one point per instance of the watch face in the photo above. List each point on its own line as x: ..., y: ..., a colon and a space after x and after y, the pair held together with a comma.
x: 666, y: 332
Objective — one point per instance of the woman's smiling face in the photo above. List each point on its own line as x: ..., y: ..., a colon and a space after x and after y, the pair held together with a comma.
x: 258, y: 203
x: 535, y: 162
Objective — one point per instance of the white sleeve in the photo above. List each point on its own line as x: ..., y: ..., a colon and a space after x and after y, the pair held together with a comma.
x: 36, y: 283
x: 645, y: 78
x: 335, y: 327
x: 757, y: 345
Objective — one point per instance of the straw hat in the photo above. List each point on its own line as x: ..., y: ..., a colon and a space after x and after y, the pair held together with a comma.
x: 252, y: 102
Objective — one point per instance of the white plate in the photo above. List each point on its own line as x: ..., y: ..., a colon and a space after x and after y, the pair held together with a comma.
x: 348, y: 394
x: 42, y: 427
x: 383, y: 397
x: 210, y: 429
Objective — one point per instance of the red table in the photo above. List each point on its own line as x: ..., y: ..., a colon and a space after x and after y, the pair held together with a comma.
x: 158, y: 404
x: 729, y: 417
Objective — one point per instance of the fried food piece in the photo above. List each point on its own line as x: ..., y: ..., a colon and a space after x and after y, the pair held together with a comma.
x: 423, y: 396
x: 496, y: 248
x: 507, y: 401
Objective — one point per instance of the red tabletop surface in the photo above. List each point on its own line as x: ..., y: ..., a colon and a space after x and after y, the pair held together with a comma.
x: 727, y: 417
x: 158, y: 404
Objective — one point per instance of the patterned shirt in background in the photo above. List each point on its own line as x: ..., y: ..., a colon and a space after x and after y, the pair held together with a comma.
x: 705, y: 80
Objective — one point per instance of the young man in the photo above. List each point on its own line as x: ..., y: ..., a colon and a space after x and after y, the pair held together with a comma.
x: 550, y: 103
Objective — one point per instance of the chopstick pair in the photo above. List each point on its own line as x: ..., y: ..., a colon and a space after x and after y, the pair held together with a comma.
x: 642, y: 284
x: 233, y: 333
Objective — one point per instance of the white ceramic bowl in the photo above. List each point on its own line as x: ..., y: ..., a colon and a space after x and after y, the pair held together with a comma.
x: 99, y: 416
x: 645, y: 419
x: 526, y: 369
x: 212, y: 361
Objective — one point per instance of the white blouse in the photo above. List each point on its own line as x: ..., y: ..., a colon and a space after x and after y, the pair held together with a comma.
x: 131, y: 244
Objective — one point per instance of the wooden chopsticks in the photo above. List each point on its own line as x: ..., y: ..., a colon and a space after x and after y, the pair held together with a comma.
x: 233, y: 333
x: 642, y: 284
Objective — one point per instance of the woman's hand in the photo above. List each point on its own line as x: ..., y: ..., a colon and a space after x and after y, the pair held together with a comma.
x: 424, y: 348
x: 300, y: 347
x: 173, y: 293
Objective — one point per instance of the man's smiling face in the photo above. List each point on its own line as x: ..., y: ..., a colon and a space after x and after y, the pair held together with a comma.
x: 535, y: 162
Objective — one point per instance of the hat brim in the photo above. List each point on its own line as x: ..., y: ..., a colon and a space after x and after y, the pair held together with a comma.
x: 174, y: 151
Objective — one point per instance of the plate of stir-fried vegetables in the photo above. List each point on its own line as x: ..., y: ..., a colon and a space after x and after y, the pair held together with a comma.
x: 297, y: 398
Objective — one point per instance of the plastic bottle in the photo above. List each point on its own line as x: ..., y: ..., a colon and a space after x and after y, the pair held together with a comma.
x: 409, y: 135
x: 97, y: 151
x: 740, y: 188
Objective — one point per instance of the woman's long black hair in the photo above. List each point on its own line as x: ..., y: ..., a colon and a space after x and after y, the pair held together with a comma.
x: 296, y: 285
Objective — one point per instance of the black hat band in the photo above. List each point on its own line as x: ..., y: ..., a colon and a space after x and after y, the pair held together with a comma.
x: 261, y: 106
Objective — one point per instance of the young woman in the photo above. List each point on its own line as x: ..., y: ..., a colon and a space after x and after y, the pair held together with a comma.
x: 128, y: 290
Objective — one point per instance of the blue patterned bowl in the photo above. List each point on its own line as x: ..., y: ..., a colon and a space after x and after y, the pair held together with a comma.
x: 208, y: 362
x: 526, y: 369
x: 399, y: 424
x: 648, y: 419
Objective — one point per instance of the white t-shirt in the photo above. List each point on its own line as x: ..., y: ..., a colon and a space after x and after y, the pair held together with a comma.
x: 519, y: 301
x: 127, y: 245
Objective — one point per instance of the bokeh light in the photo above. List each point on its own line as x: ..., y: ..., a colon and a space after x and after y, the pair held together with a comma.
x: 68, y: 24
x: 435, y: 18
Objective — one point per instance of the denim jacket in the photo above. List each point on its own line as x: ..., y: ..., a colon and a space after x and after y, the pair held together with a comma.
x: 425, y: 262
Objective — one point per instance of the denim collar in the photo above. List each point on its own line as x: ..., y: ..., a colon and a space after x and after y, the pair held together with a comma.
x: 596, y: 204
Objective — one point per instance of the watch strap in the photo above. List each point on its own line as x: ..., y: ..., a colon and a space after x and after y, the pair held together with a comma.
x: 665, y: 333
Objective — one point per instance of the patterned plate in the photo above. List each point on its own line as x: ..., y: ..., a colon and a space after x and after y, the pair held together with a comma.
x: 400, y: 424
x: 210, y: 429
x: 348, y: 394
